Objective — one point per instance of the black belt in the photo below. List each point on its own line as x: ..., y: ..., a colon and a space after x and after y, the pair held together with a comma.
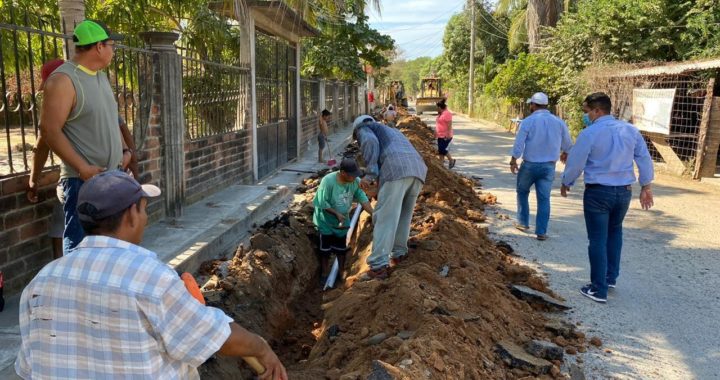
x: 597, y: 185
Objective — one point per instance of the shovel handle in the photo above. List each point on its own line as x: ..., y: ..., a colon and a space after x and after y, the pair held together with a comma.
x: 254, y: 364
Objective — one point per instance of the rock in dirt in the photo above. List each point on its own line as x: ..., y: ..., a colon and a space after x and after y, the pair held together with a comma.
x: 516, y: 357
x: 444, y: 271
x: 555, y: 371
x: 531, y: 295
x: 475, y: 216
x: 405, y: 335
x: 429, y: 245
x: 571, y: 350
x: 262, y: 242
x: 560, y: 341
x: 439, y: 310
x: 505, y: 248
x: 333, y: 330
x: 562, y: 328
x: 544, y: 349
x: 595, y: 341
x: 405, y: 363
x: 576, y: 372
x: 393, y: 343
x: 384, y: 371
x: 376, y: 339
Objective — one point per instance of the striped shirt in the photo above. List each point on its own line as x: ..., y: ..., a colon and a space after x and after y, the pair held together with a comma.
x: 389, y: 154
x: 110, y: 309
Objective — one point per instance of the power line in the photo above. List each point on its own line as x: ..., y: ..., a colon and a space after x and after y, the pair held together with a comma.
x: 492, y: 23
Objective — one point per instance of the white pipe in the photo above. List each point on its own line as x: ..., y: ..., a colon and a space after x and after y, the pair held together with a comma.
x: 353, y: 223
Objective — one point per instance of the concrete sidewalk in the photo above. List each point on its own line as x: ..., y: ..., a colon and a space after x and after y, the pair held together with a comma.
x: 210, y: 228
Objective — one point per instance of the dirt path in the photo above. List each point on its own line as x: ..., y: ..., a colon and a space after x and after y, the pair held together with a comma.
x: 661, y: 322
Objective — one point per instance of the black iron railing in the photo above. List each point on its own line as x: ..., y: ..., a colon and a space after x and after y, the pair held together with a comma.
x: 27, y: 40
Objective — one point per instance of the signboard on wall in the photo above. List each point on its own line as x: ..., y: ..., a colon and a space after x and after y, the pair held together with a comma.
x: 652, y: 109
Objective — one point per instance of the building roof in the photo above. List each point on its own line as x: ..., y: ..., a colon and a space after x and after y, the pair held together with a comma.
x: 278, y: 11
x: 674, y: 68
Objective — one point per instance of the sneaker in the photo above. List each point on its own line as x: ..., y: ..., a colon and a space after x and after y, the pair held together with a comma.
x: 611, y: 286
x: 395, y: 261
x: 375, y: 274
x: 452, y: 163
x: 590, y: 292
x: 521, y: 227
x: 542, y: 237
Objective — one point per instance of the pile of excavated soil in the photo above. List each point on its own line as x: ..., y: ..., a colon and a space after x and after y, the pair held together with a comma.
x: 440, y: 314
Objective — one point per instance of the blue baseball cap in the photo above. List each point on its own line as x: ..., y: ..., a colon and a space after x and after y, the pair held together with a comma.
x: 110, y: 192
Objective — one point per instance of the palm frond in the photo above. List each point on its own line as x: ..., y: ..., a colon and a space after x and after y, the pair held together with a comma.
x: 517, y: 35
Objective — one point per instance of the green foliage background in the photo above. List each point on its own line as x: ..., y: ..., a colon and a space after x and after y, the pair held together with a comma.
x: 589, y: 33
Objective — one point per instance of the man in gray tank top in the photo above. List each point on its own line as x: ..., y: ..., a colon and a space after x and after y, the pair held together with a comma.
x: 80, y: 119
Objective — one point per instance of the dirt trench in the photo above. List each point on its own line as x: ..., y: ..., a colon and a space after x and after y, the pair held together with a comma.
x: 439, y: 316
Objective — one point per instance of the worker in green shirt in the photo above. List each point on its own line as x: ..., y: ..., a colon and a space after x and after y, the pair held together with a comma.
x: 332, y: 202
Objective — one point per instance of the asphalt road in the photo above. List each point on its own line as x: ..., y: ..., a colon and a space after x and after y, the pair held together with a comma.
x: 662, y: 321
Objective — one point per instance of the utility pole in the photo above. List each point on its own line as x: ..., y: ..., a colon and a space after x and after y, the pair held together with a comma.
x: 471, y: 84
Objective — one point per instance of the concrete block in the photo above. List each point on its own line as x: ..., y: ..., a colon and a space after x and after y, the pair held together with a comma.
x: 531, y: 295
x: 516, y: 357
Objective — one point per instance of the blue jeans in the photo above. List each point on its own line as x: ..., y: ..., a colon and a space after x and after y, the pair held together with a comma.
x: 540, y: 174
x: 605, y: 208
x: 391, y: 220
x: 74, y: 232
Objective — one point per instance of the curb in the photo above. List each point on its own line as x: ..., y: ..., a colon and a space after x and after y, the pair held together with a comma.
x: 225, y: 236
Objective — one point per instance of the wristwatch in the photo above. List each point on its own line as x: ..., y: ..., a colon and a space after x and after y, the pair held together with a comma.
x: 128, y: 150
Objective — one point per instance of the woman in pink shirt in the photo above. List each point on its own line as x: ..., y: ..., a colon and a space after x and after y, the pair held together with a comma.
x: 444, y: 132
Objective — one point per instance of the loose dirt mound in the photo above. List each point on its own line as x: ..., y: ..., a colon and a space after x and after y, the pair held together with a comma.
x: 439, y: 316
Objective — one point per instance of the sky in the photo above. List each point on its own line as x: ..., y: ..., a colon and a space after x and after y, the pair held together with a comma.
x: 417, y: 26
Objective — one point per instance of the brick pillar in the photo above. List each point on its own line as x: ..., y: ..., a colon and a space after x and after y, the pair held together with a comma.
x: 172, y: 119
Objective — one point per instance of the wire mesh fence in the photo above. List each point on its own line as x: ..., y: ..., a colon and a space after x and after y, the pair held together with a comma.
x: 679, y: 147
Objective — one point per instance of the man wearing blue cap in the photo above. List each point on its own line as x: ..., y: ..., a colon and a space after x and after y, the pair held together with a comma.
x: 80, y: 119
x: 540, y: 141
x: 110, y: 309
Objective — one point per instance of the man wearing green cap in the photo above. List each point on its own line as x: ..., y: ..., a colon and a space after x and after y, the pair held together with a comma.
x: 80, y: 119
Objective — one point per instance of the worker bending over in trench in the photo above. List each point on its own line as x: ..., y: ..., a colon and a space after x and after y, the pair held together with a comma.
x: 393, y: 161
x: 110, y: 309
x: 332, y: 202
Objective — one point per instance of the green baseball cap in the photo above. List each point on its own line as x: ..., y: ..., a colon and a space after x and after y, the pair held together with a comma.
x: 90, y: 32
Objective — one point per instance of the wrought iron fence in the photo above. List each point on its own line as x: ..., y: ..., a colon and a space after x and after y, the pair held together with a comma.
x: 27, y: 40
x: 216, y: 97
x: 309, y: 97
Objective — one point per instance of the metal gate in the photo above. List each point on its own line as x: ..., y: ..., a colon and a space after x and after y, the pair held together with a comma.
x: 276, y: 97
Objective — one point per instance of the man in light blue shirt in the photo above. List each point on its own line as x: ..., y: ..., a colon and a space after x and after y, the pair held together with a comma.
x: 605, y: 151
x: 539, y: 141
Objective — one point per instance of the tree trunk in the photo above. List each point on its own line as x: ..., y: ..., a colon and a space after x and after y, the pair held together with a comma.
x: 541, y: 13
x: 71, y: 13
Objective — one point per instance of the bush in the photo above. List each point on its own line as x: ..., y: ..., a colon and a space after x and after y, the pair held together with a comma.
x: 519, y: 78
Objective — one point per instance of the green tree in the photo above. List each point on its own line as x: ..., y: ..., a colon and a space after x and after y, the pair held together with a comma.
x: 606, y: 31
x: 344, y: 46
x: 519, y: 78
